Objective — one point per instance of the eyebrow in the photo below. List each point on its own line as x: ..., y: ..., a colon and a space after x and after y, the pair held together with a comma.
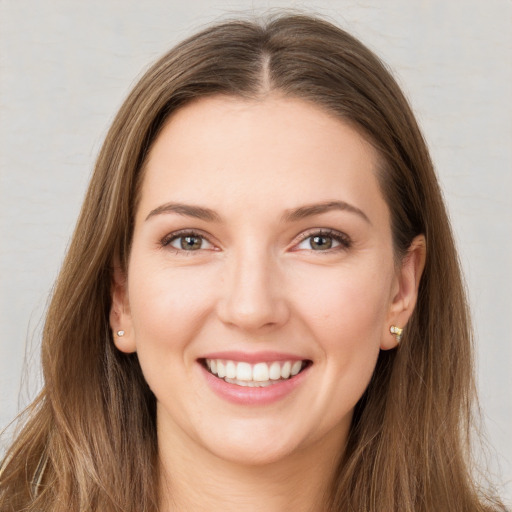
x: 187, y: 210
x: 317, y: 209
x: 295, y: 214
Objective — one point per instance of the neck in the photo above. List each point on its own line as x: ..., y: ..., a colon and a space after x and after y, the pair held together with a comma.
x: 204, y: 482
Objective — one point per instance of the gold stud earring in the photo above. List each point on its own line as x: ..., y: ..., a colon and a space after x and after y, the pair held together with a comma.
x: 397, y: 332
x: 120, y: 334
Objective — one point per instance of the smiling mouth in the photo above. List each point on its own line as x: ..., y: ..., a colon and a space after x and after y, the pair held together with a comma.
x: 261, y: 374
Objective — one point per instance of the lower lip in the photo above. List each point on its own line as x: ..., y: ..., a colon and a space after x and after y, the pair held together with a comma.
x: 244, y: 395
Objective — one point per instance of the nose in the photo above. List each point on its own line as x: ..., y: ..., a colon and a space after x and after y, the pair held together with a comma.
x: 253, y: 293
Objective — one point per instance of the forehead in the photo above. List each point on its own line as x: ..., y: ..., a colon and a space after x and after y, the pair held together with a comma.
x: 281, y: 151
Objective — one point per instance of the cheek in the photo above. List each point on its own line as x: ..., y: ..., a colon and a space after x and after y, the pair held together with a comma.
x: 168, y: 308
x: 167, y: 305
x: 348, y: 305
x: 345, y: 311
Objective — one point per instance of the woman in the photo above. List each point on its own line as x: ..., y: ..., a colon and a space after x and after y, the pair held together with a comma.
x: 261, y: 307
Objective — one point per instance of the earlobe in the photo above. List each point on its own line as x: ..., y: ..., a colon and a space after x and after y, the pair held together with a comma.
x: 405, y: 294
x: 124, y: 341
x: 120, y: 317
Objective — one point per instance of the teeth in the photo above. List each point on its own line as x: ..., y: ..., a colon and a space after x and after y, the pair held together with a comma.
x: 296, y: 367
x: 260, y: 374
x: 274, y: 371
x: 285, y: 370
x: 250, y: 383
x: 230, y: 370
x: 243, y: 371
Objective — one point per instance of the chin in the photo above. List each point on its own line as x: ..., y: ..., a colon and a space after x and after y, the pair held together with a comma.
x: 263, y: 443
x: 254, y: 452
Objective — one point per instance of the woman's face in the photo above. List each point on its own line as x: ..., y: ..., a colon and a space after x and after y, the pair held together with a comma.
x: 262, y: 248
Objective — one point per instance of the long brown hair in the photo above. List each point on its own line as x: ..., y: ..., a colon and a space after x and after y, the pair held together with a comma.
x: 90, y: 443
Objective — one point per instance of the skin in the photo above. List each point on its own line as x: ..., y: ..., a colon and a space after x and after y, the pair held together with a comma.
x: 256, y: 283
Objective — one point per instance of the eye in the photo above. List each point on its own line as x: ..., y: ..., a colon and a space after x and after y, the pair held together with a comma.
x: 324, y: 241
x: 187, y: 241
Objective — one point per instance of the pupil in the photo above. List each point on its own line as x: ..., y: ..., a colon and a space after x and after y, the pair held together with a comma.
x: 321, y: 242
x: 190, y: 243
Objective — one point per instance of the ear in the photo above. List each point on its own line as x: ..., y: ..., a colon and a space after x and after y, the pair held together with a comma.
x: 405, y: 290
x: 120, y: 317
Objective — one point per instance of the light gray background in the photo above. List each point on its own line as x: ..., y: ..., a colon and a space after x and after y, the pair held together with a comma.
x: 65, y: 67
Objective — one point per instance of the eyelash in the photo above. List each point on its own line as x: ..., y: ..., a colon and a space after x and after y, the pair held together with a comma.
x: 168, y: 239
x: 343, y: 240
x: 339, y: 237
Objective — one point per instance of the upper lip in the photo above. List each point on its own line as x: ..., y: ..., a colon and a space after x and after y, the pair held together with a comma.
x: 253, y: 357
